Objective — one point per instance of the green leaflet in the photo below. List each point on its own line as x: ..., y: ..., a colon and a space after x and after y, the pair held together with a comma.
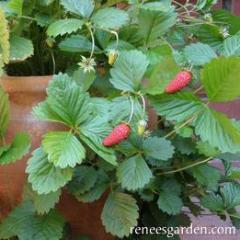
x: 4, y: 149
x: 218, y: 130
x: 24, y: 223
x: 120, y: 109
x: 158, y: 148
x: 120, y: 214
x: 18, y: 148
x: 63, y: 149
x: 199, y: 54
x: 209, y: 34
x: 213, y: 202
x: 134, y: 173
x: 231, y: 195
x: 92, y: 132
x: 110, y: 18
x: 84, y: 179
x: 15, y: 6
x: 228, y: 199
x: 66, y: 103
x: 20, y: 48
x: 83, y: 8
x: 210, y: 125
x: 221, y: 79
x: 64, y: 26
x: 222, y: 15
x: 44, y: 176
x: 206, y: 175
x: 95, y: 193
x: 128, y: 70
x: 43, y: 203
x: 177, y: 107
x: 169, y: 202
x: 206, y: 149
x: 84, y: 80
x: 76, y: 43
x: 153, y: 24
x: 231, y: 46
x: 163, y: 71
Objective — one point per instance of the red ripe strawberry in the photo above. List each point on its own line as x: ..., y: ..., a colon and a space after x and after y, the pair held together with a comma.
x: 182, y: 79
x: 118, y: 134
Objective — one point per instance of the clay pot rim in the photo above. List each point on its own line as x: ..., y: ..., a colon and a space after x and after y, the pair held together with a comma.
x: 25, y: 84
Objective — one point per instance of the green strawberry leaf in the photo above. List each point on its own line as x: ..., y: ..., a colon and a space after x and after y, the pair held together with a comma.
x: 221, y: 79
x: 211, y: 126
x: 83, y: 8
x: 66, y: 103
x: 15, y: 7
x: 20, y: 48
x: 206, y: 175
x: 95, y: 193
x: 153, y: 24
x: 206, y: 149
x: 64, y: 26
x: 169, y: 202
x: 63, y: 149
x: 24, y: 223
x: 134, y: 173
x: 17, y: 149
x: 231, y: 195
x: 120, y: 214
x: 43, y: 203
x: 213, y: 202
x: 161, y: 74
x: 128, y: 70
x: 110, y: 18
x: 84, y: 179
x: 76, y: 44
x: 231, y: 46
x: 158, y: 148
x: 84, y: 80
x: 44, y: 176
x: 199, y: 54
x: 92, y: 132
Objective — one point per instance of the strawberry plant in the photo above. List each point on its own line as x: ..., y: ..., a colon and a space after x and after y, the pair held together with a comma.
x: 145, y: 55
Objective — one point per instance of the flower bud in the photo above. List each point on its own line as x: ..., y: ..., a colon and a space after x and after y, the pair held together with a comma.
x: 142, y: 124
x: 112, y: 56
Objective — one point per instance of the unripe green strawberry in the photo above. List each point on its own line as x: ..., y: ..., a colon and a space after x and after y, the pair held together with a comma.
x: 118, y: 134
x: 182, y: 79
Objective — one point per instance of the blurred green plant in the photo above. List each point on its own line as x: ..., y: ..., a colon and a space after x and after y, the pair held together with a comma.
x: 115, y: 58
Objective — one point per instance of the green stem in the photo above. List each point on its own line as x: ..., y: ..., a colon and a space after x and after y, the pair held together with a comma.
x: 143, y: 104
x: 186, y: 167
x: 53, y: 62
x: 93, y: 40
x: 132, y: 109
x: 117, y: 38
x: 198, y: 89
x: 180, y: 127
x: 27, y: 18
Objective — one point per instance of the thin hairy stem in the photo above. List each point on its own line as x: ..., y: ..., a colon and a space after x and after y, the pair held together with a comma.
x: 186, y: 167
x: 132, y: 109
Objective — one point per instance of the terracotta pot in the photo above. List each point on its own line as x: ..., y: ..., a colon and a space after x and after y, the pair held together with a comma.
x: 24, y: 93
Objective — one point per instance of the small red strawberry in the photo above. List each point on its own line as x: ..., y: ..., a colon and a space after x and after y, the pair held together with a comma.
x: 118, y: 134
x: 181, y: 80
